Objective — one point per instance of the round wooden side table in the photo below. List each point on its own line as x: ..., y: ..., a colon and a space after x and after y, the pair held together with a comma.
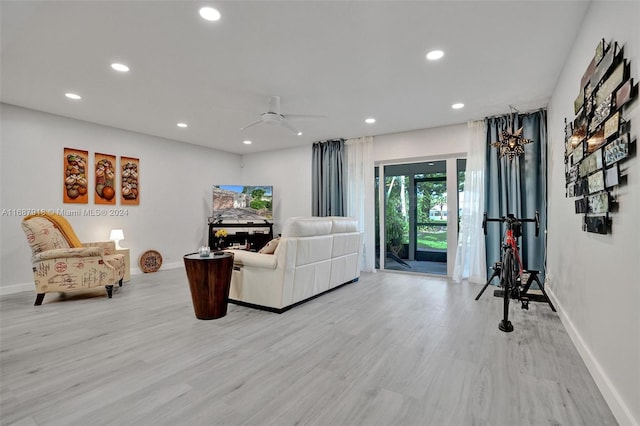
x: 209, y: 281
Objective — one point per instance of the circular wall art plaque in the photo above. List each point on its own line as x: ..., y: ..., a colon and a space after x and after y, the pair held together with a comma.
x: 150, y: 261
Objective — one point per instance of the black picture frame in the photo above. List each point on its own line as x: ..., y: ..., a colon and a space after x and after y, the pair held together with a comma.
x: 596, y: 182
x: 578, y: 153
x: 611, y: 126
x: 597, y: 224
x: 596, y: 140
x: 598, y: 203
x: 624, y: 93
x: 574, y: 172
x: 600, y: 113
x: 612, y: 176
x: 605, y: 64
x: 612, y: 82
x: 616, y: 150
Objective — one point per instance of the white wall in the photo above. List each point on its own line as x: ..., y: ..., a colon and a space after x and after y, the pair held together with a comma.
x: 594, y: 278
x: 418, y: 145
x: 289, y: 171
x: 175, y: 183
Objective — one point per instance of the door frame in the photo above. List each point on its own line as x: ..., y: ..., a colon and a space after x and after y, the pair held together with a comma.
x: 452, y: 212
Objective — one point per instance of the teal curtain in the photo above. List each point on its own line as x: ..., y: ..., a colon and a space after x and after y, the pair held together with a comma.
x: 328, y: 193
x: 518, y: 186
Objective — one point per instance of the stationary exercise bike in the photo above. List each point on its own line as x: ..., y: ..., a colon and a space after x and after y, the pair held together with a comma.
x: 510, y: 268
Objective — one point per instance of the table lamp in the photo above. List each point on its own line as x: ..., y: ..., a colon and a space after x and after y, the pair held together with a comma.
x: 117, y: 235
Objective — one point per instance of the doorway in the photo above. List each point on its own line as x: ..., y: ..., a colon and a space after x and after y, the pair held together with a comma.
x: 419, y: 212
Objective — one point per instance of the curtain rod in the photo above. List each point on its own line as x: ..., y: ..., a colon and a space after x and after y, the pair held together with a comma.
x: 531, y: 111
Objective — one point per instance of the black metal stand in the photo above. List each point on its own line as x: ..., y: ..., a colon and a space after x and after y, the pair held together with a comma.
x: 533, y: 276
x: 525, y: 296
x: 496, y: 273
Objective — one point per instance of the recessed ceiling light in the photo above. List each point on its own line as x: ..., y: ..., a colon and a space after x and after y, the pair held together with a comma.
x: 183, y: 125
x: 73, y: 96
x: 247, y: 142
x: 370, y: 120
x: 434, y: 55
x: 120, y: 67
x: 431, y: 164
x: 209, y: 13
x: 299, y: 133
x: 458, y: 105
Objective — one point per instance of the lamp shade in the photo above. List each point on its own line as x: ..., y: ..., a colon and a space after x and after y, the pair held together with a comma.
x: 116, y: 235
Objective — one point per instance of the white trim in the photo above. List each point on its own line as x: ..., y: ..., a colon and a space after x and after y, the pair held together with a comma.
x: 611, y: 395
x: 173, y: 265
x: 23, y: 287
x: 17, y: 288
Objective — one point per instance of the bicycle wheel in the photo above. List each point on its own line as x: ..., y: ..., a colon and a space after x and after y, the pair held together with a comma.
x: 508, y: 278
x: 511, y: 269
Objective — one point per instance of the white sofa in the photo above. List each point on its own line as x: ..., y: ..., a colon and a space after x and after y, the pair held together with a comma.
x: 314, y: 255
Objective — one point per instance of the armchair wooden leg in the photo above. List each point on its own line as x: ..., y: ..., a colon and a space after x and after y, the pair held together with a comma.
x: 109, y: 291
x: 120, y: 282
x: 39, y: 299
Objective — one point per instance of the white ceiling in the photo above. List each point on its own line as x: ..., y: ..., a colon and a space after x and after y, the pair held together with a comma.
x: 347, y: 60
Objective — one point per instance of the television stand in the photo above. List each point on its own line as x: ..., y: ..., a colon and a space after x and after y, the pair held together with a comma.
x: 255, y: 235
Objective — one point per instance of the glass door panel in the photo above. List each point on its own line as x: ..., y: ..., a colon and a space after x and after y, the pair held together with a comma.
x: 396, y: 218
x: 431, y: 218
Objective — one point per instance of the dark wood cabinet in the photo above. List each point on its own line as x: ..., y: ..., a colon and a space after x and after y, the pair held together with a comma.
x: 255, y: 235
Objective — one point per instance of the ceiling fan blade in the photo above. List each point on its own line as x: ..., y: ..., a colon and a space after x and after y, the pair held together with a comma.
x: 303, y: 116
x: 252, y: 124
x: 289, y: 126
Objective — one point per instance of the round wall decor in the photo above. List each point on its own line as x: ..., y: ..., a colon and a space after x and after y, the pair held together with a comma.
x: 150, y: 261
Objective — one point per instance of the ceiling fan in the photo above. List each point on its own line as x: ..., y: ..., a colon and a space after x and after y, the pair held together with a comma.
x: 275, y: 117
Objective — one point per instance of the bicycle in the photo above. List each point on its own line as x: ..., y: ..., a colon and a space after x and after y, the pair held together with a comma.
x: 510, y: 268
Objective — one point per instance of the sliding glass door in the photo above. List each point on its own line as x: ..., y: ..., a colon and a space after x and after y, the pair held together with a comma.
x: 417, y: 215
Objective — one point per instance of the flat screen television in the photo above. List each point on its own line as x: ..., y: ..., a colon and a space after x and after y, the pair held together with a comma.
x: 242, y: 203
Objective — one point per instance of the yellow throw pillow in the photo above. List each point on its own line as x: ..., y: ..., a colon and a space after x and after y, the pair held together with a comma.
x: 63, y: 226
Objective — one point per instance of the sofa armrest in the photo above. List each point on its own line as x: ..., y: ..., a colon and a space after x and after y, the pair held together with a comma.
x: 108, y: 246
x: 258, y: 260
x: 68, y: 252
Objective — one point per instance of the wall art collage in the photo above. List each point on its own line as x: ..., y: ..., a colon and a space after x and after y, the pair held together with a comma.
x: 80, y: 181
x: 598, y: 139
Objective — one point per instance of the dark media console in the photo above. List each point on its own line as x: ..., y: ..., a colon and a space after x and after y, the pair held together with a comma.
x: 255, y: 235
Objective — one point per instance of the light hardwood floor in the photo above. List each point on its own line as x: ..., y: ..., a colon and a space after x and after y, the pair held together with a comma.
x: 392, y: 349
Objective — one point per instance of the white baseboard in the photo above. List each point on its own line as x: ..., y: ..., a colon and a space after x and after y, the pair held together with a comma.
x: 620, y: 410
x: 173, y: 265
x: 17, y: 288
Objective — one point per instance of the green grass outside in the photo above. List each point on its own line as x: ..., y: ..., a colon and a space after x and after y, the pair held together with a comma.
x: 432, y: 240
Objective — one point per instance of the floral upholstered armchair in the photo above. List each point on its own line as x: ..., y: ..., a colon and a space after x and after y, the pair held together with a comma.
x: 62, y: 263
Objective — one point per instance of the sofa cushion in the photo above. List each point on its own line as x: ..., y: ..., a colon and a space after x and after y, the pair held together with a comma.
x: 270, y: 247
x: 257, y: 260
x: 341, y: 224
x: 346, y: 243
x: 312, y: 249
x: 306, y: 227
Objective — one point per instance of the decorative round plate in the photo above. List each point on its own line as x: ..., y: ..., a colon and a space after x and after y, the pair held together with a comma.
x: 150, y: 261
